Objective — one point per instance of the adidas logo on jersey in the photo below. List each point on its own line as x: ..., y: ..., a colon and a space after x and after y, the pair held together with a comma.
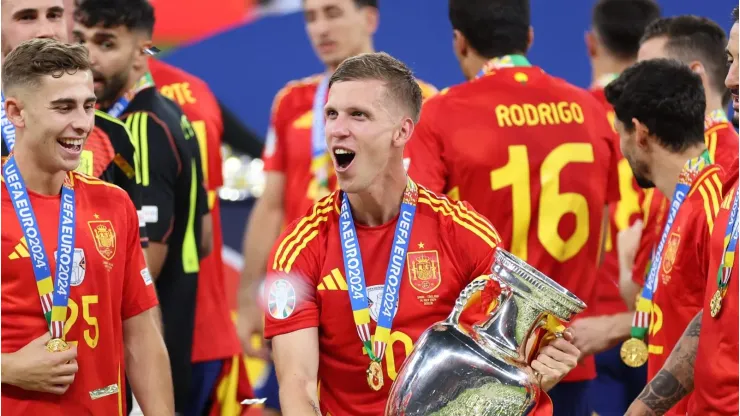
x: 20, y: 251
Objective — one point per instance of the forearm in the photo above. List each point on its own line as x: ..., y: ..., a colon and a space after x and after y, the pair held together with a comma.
x: 148, y: 368
x: 621, y: 325
x: 262, y: 231
x: 629, y: 290
x: 7, y: 371
x: 299, y: 398
x: 676, y: 379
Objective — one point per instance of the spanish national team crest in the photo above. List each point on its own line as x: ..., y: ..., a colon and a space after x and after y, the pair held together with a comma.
x: 104, y: 236
x: 281, y: 299
x: 78, y: 267
x: 669, y: 258
x: 424, y: 273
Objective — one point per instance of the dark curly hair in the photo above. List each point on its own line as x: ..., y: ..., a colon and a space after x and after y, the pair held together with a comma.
x: 666, y: 96
x: 493, y: 27
x: 136, y: 15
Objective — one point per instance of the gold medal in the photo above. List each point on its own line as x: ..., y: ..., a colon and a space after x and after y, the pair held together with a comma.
x: 716, y: 303
x: 634, y: 352
x: 375, y: 376
x: 56, y: 345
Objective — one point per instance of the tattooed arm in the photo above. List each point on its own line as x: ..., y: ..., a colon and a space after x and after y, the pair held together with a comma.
x: 296, y: 356
x: 675, y: 380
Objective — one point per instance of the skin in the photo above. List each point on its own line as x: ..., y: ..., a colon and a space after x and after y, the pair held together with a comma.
x: 362, y: 117
x: 337, y: 29
x: 731, y: 82
x: 28, y: 19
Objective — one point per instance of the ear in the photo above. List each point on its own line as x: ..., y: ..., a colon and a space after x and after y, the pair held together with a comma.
x: 642, y: 134
x: 591, y: 47
x: 404, y: 133
x: 698, y: 69
x: 141, y: 58
x: 460, y: 44
x: 530, y: 38
x: 372, y: 19
x: 14, y: 111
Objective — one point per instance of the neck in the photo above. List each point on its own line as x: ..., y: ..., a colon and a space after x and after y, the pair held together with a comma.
x: 714, y: 101
x: 381, y: 201
x: 670, y: 165
x: 134, y: 77
x: 35, y: 177
x: 608, y: 65
x: 474, y: 65
x: 367, y: 48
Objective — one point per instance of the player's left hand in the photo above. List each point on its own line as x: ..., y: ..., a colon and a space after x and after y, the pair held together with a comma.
x: 593, y: 334
x: 555, y: 360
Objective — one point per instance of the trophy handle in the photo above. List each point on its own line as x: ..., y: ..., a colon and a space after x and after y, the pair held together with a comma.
x: 472, y: 288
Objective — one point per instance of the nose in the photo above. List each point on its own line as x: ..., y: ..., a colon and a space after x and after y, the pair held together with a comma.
x: 47, y: 29
x: 731, y: 81
x: 83, y: 122
x: 337, y: 128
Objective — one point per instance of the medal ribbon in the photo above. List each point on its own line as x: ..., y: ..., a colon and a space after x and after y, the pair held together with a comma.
x: 641, y: 319
x: 320, y: 158
x: 506, y: 61
x: 730, y: 243
x: 54, y: 295
x: 355, y: 273
x: 117, y: 109
x: 7, y: 129
x: 714, y: 118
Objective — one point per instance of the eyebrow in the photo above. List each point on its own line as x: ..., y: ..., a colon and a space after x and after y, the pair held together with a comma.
x: 72, y: 101
x: 56, y: 9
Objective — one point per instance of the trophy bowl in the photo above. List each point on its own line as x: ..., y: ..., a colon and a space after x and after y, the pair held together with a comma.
x: 483, y: 370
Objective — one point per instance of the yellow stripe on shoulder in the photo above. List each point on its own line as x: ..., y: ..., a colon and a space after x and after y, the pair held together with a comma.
x: 290, y: 86
x: 711, y: 193
x: 89, y: 180
x: 291, y: 245
x: 104, y: 115
x: 462, y: 216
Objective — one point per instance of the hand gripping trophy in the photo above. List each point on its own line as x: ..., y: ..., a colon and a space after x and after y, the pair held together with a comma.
x: 483, y: 370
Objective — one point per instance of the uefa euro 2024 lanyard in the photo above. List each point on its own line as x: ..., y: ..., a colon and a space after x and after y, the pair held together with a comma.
x: 728, y: 259
x: 54, y: 295
x: 634, y: 351
x: 355, y: 272
x: 506, y: 61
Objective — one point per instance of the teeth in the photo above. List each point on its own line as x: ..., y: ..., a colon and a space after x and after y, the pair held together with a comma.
x: 76, y: 142
x: 343, y: 152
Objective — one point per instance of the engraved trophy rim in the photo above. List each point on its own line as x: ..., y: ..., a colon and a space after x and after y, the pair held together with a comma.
x: 540, y: 281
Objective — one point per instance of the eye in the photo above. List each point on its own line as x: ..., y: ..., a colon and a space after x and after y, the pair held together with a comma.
x: 358, y: 114
x: 331, y: 113
x: 107, y: 44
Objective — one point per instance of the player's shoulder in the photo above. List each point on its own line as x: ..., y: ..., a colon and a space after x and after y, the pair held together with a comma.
x: 457, y: 217
x: 299, y: 90
x: 706, y: 192
x: 427, y: 90
x: 108, y: 122
x: 304, y: 233
x: 96, y: 188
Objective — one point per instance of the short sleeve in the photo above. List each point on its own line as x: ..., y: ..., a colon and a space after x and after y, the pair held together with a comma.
x: 290, y: 293
x: 191, y: 138
x: 138, y: 288
x: 161, y: 166
x: 425, y: 151
x: 273, y: 155
x: 613, y: 193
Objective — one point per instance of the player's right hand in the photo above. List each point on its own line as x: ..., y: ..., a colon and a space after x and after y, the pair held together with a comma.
x: 249, y: 324
x: 34, y: 368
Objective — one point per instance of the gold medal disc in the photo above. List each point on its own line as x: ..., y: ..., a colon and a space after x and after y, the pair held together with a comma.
x: 715, y: 304
x: 375, y: 376
x: 634, y: 352
x: 56, y: 345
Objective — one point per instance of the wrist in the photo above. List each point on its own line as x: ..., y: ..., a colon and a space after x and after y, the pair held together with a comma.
x: 620, y: 326
x: 7, y: 369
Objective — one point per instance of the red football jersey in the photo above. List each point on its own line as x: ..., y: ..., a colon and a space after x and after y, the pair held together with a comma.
x: 214, y: 335
x: 622, y: 214
x: 535, y: 155
x: 716, y: 365
x: 722, y: 142
x: 110, y: 283
x: 448, y: 238
x: 288, y: 144
x: 682, y: 274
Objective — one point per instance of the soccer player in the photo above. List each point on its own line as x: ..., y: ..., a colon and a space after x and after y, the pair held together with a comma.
x: 216, y: 347
x: 533, y: 153
x: 660, y: 109
x: 117, y: 33
x: 109, y: 152
x: 706, y: 362
x: 297, y: 163
x: 318, y: 322
x: 86, y: 232
x: 612, y: 45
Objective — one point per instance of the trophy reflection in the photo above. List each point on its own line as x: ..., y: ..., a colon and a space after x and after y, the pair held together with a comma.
x: 483, y: 370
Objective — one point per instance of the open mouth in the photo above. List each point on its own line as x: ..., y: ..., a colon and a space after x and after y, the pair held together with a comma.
x: 72, y: 145
x: 343, y: 158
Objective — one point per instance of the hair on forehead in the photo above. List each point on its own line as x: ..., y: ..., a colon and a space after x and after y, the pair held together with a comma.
x: 135, y: 15
x: 398, y: 78
x: 34, y: 59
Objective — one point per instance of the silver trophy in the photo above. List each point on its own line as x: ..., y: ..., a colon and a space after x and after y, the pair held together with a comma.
x: 483, y: 370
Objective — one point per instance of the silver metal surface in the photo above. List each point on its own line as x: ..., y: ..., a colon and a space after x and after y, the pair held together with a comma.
x: 482, y: 370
